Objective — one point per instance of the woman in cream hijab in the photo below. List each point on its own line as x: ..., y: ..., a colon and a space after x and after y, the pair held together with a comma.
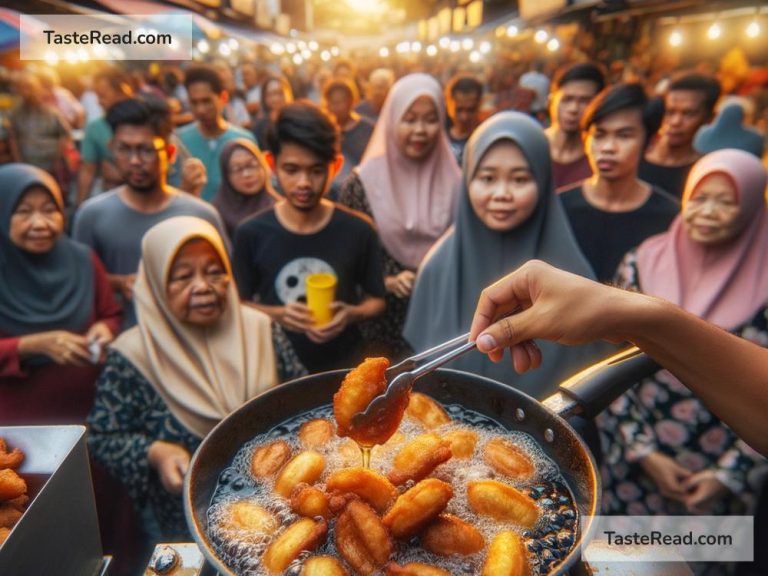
x: 196, y: 355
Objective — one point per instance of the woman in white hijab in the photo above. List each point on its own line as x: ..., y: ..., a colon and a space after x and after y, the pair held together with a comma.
x: 407, y: 182
x: 196, y: 355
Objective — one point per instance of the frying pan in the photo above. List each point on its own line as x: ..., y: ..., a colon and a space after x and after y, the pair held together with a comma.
x: 585, y: 394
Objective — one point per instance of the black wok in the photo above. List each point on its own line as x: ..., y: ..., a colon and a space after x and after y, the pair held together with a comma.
x: 586, y: 394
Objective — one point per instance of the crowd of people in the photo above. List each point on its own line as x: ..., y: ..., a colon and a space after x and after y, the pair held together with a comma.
x: 157, y: 233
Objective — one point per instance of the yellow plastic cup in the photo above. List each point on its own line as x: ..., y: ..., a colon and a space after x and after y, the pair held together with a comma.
x: 321, y: 292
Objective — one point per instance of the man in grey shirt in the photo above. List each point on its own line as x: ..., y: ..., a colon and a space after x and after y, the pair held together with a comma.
x: 114, y: 223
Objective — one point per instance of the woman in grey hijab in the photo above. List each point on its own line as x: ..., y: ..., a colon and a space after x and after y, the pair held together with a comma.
x: 508, y: 214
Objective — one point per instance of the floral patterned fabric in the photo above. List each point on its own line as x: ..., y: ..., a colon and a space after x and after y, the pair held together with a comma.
x: 383, y: 335
x: 661, y: 414
x: 128, y: 415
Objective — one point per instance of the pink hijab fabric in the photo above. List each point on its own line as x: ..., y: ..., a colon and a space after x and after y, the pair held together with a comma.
x: 725, y: 284
x: 413, y: 202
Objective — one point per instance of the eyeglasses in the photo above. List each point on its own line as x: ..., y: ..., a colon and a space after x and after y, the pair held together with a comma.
x: 145, y: 153
x: 241, y: 170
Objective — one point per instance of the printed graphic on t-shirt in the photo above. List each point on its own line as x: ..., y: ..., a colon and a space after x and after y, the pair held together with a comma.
x: 290, y: 284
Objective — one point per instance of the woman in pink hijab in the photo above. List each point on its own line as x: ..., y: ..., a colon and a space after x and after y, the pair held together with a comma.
x: 666, y: 452
x: 407, y: 182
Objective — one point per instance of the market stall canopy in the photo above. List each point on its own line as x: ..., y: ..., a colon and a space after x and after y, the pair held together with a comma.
x: 162, y: 15
x: 12, y: 28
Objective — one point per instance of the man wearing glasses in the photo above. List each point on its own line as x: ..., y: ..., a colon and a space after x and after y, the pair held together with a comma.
x: 114, y: 223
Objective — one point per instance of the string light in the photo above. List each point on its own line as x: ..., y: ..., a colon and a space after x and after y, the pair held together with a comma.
x: 383, y: 52
x: 431, y: 50
x: 485, y: 47
x: 475, y: 56
x: 541, y: 36
x: 276, y: 48
x: 325, y: 55
x: 313, y: 45
x: 753, y: 30
x: 467, y: 43
x: 675, y: 38
x: 512, y: 30
x: 416, y: 47
x: 553, y: 45
x: 203, y: 46
x: 444, y: 42
x: 714, y: 31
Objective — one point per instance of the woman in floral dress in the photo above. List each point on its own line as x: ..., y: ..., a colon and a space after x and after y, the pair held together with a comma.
x: 665, y: 452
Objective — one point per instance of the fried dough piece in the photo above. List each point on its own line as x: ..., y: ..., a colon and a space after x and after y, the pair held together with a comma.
x: 417, y: 507
x: 305, y: 467
x: 11, y: 485
x: 12, y: 459
x: 316, y: 433
x: 251, y: 517
x: 502, y: 502
x: 506, y: 556
x: 361, y: 385
x: 323, y: 566
x: 9, y: 515
x: 4, y: 532
x: 414, y: 569
x: 362, y: 539
x: 371, y: 487
x: 310, y: 501
x: 269, y: 458
x: 304, y: 534
x: 427, y: 411
x: 462, y: 442
x: 508, y: 459
x: 20, y: 503
x: 450, y: 535
x: 418, y: 458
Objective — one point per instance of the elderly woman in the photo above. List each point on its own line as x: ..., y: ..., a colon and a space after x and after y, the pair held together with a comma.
x: 407, y: 183
x: 508, y: 214
x: 245, y: 188
x: 196, y: 355
x: 666, y: 452
x: 56, y: 306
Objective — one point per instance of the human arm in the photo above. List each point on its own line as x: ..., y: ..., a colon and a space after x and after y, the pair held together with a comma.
x: 130, y: 430
x: 562, y: 307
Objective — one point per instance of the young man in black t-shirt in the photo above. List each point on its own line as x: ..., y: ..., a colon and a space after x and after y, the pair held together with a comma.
x: 305, y: 233
x: 614, y: 211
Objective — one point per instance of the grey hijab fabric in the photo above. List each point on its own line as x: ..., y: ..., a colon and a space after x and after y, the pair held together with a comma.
x: 40, y: 292
x: 471, y: 256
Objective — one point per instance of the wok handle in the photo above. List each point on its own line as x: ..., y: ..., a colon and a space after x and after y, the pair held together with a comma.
x: 594, y: 388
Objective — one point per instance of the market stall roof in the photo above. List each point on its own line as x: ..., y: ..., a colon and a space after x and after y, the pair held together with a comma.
x: 202, y: 27
x: 12, y: 28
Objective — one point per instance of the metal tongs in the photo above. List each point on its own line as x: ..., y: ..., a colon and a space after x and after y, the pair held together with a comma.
x: 402, y: 376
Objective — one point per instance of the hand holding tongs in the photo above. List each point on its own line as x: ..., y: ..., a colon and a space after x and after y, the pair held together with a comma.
x: 402, y: 376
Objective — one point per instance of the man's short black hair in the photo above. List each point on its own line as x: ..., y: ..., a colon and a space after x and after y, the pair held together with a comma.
x: 306, y: 125
x: 586, y: 71
x: 136, y: 112
x: 341, y: 85
x: 707, y: 86
x: 206, y: 74
x: 623, y: 96
x: 464, y: 83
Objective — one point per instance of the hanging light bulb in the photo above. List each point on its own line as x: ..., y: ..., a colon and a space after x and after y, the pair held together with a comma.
x: 753, y: 30
x: 714, y: 31
x: 675, y: 38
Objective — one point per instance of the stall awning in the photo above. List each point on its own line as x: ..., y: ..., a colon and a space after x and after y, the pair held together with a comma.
x: 202, y: 27
x: 11, y: 28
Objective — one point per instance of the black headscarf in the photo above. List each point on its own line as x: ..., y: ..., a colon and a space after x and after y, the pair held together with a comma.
x: 471, y: 256
x: 40, y: 292
x: 233, y: 206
